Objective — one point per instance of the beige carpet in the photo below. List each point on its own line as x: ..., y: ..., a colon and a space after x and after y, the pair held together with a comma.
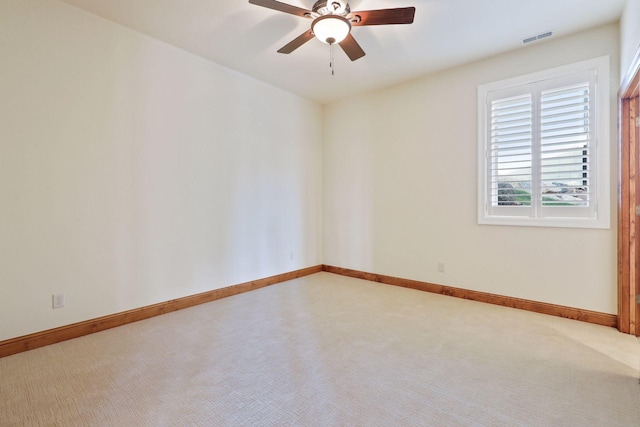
x: 327, y: 350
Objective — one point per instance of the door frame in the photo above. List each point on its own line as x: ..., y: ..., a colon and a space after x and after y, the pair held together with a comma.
x: 628, y: 200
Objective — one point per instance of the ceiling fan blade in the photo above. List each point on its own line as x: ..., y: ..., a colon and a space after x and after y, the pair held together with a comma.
x: 297, y: 42
x: 401, y: 15
x: 351, y: 48
x: 282, y: 7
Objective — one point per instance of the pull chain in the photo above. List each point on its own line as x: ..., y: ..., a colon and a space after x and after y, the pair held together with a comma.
x: 331, y: 62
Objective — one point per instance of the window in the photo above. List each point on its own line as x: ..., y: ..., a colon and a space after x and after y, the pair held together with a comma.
x: 543, y: 152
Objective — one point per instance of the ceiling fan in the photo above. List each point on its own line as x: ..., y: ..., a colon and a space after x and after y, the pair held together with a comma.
x: 332, y: 22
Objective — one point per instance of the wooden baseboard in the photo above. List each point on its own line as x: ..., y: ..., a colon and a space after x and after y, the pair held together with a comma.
x: 63, y: 333
x: 523, y: 304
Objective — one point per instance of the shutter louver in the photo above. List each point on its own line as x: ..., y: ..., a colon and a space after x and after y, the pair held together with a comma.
x: 565, y: 146
x: 510, y: 151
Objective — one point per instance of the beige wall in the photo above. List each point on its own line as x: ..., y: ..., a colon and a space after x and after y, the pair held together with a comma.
x: 400, y: 174
x: 132, y: 172
x: 629, y: 34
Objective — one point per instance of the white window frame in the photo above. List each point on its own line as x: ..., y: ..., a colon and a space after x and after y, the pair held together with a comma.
x: 599, y: 212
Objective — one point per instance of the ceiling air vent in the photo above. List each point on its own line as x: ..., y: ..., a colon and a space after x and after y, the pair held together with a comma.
x: 537, y: 37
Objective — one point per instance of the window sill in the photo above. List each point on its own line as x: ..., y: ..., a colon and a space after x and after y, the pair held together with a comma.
x: 545, y: 222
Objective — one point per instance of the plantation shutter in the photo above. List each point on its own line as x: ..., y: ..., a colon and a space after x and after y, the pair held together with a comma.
x: 510, y: 152
x: 540, y: 153
x: 567, y: 146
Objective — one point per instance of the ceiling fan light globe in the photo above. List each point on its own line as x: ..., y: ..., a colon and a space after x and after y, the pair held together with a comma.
x: 331, y: 29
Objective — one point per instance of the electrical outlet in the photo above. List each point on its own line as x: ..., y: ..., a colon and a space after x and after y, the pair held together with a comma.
x: 57, y: 300
x: 290, y: 256
x: 441, y: 267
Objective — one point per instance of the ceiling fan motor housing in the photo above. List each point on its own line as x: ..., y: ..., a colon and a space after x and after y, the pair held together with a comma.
x: 331, y: 7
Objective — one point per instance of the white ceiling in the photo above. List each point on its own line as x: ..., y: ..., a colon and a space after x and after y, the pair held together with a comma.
x: 245, y: 37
